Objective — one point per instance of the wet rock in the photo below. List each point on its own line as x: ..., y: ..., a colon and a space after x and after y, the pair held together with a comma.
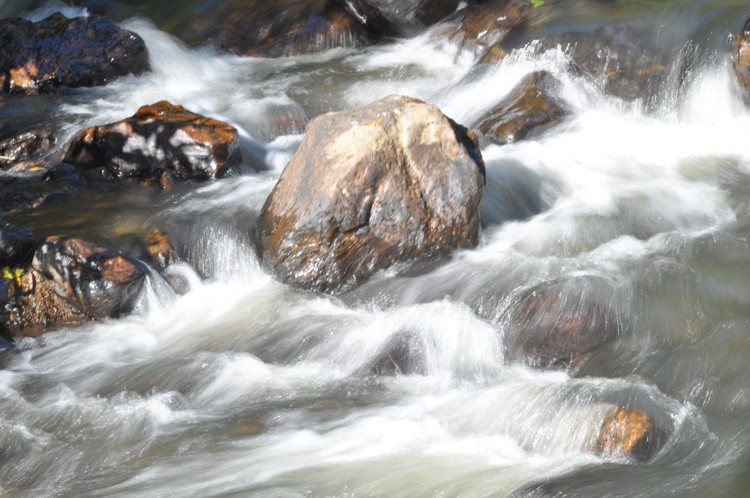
x: 97, y: 281
x: 402, y: 355
x: 159, y: 137
x: 33, y: 304
x: 25, y: 148
x: 20, y: 194
x: 284, y: 27
x: 741, y: 59
x: 631, y: 62
x: 628, y: 434
x: 530, y: 105
x: 485, y: 24
x: 60, y: 52
x: 17, y: 245
x: 159, y: 248
x: 388, y: 182
x: 404, y: 18
x: 556, y: 324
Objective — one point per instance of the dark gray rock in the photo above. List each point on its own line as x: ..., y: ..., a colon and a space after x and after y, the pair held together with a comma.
x: 58, y: 52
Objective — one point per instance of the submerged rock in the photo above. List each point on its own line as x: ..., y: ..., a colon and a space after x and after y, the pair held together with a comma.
x: 59, y: 52
x: 555, y: 324
x: 383, y: 183
x: 159, y: 138
x: 631, y: 62
x: 403, y: 18
x: 628, y: 434
x: 23, y: 150
x: 284, y: 27
x: 741, y: 59
x: 531, y: 104
x: 97, y: 281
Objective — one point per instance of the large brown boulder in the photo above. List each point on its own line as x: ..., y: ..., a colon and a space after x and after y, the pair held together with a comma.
x: 375, y: 185
x: 629, y: 434
x: 59, y: 52
x: 741, y: 59
x: 159, y: 139
x: 555, y: 324
x: 531, y: 104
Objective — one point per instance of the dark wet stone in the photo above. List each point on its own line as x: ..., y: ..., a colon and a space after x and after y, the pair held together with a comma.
x: 741, y: 59
x: 159, y: 137
x: 17, y: 245
x: 403, y: 18
x: 555, y: 324
x: 389, y: 182
x: 24, y: 150
x: 631, y: 62
x: 283, y: 28
x: 58, y: 52
x: 97, y: 281
x: 485, y: 24
x: 530, y: 105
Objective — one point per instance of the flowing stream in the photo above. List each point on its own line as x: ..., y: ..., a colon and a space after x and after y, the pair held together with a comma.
x: 243, y: 386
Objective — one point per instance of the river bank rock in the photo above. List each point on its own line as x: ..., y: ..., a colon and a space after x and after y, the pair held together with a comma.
x: 741, y: 59
x: 57, y: 52
x: 99, y: 282
x: 159, y: 139
x: 388, y: 182
x: 630, y: 62
x: 24, y: 151
x: 628, y: 434
x: 530, y: 105
x: 555, y: 324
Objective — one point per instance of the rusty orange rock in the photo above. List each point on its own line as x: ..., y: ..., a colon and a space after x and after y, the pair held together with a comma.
x: 627, y: 434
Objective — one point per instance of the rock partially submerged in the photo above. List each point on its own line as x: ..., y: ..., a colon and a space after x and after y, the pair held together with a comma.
x: 23, y: 151
x: 628, y: 434
x: 68, y: 281
x: 556, y: 324
x: 383, y: 183
x: 159, y: 139
x: 285, y: 27
x: 741, y: 59
x: 403, y: 18
x: 631, y: 63
x: 531, y: 104
x: 483, y: 25
x: 99, y: 282
x: 58, y: 52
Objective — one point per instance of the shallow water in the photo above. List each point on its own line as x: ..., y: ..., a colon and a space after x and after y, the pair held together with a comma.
x: 245, y: 387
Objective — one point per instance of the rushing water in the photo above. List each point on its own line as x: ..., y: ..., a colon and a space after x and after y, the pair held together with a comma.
x: 245, y: 387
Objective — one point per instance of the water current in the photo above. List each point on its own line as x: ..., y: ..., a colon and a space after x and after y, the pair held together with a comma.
x: 243, y: 386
